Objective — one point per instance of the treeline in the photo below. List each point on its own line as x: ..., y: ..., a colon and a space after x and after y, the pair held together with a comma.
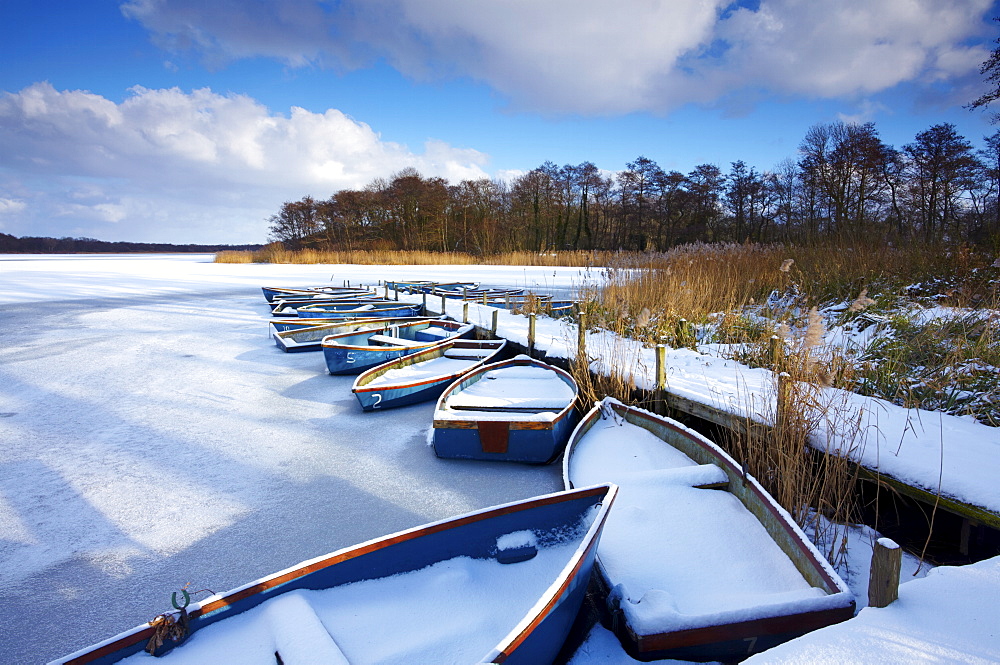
x: 845, y: 183
x: 36, y: 245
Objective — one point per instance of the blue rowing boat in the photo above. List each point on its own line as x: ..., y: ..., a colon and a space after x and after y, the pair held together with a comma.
x: 500, y: 585
x: 354, y: 352
x: 423, y: 375
x: 290, y: 307
x: 519, y: 410
x: 277, y: 292
x: 357, y: 310
x: 310, y: 337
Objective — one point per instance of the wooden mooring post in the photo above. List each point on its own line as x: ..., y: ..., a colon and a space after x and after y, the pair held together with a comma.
x: 531, y: 334
x: 444, y: 306
x: 465, y: 312
x: 493, y: 326
x: 660, y: 395
x: 883, y: 585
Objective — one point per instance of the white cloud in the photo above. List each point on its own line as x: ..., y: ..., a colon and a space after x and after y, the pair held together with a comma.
x: 207, y: 166
x: 11, y: 206
x: 592, y: 56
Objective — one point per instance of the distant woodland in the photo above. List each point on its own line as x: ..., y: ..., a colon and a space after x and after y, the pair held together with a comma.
x: 845, y: 183
x: 31, y: 245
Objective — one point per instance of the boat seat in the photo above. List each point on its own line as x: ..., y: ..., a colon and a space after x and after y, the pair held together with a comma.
x: 432, y: 334
x: 468, y: 354
x: 394, y: 341
x: 300, y: 637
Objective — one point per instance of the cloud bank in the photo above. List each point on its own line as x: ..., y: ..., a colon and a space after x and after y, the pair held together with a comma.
x: 167, y: 164
x: 596, y: 57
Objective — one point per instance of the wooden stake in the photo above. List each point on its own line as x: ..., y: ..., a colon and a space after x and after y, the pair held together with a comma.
x: 883, y: 585
x: 465, y: 312
x: 781, y: 407
x: 444, y: 306
x: 660, y: 395
x: 531, y: 334
x: 777, y: 351
x: 661, y: 367
x: 496, y: 313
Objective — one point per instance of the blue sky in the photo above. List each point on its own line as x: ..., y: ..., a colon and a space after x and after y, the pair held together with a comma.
x: 193, y: 120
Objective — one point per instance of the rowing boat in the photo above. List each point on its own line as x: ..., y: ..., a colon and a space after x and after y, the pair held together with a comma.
x: 501, y: 585
x: 423, y: 375
x: 519, y: 410
x: 356, y: 310
x: 290, y: 307
x: 273, y: 292
x: 354, y: 352
x: 698, y: 562
x: 310, y: 337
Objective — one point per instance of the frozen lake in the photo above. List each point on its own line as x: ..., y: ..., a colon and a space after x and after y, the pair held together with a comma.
x: 153, y: 436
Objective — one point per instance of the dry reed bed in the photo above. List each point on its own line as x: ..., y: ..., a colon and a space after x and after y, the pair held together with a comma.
x: 276, y: 253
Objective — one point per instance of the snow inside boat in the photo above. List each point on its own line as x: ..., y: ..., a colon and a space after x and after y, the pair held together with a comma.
x: 423, y: 375
x: 519, y: 410
x: 698, y: 562
x: 501, y: 585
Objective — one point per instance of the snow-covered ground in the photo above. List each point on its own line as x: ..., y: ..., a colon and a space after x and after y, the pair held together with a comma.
x: 152, y: 436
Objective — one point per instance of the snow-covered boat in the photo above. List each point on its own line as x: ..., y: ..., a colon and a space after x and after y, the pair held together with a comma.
x: 519, y: 410
x: 273, y: 292
x: 698, y: 562
x: 354, y: 352
x: 310, y: 337
x: 423, y: 375
x: 358, y: 309
x: 289, y: 306
x: 426, y: 286
x: 501, y: 585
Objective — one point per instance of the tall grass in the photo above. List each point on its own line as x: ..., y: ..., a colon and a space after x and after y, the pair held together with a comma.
x: 276, y: 253
x: 762, y: 304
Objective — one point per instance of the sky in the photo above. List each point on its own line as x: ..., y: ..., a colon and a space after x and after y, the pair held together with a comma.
x: 192, y: 121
